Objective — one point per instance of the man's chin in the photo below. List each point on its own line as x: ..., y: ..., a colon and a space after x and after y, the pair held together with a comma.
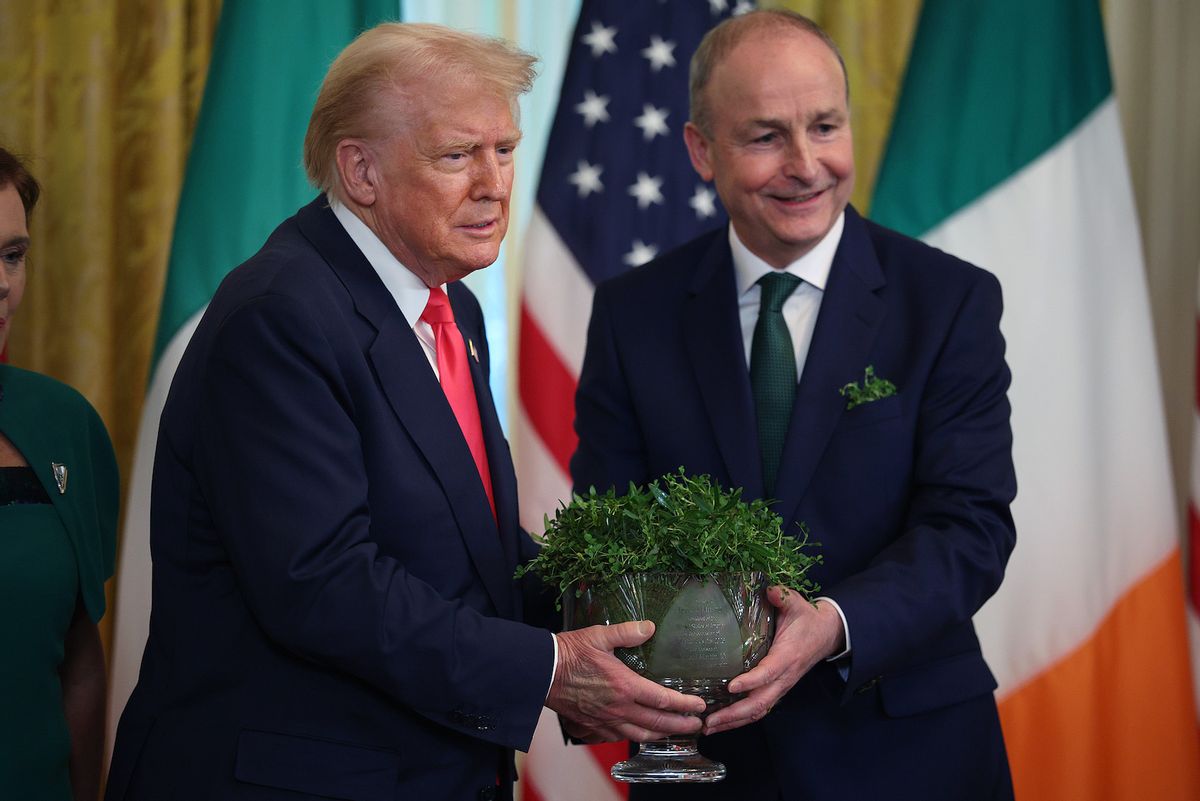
x: 806, y: 228
x: 474, y: 261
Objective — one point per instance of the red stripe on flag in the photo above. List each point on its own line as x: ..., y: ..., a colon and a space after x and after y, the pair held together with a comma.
x: 1193, y: 550
x: 547, y: 389
x: 609, y: 754
x: 528, y: 792
x: 605, y: 754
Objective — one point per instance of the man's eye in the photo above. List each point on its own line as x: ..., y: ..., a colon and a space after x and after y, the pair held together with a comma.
x: 13, y: 257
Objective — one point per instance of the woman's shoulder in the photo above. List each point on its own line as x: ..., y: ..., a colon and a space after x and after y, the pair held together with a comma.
x: 26, y: 387
x: 27, y: 397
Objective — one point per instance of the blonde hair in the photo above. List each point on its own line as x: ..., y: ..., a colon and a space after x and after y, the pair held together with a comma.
x: 393, y: 61
x: 720, y: 42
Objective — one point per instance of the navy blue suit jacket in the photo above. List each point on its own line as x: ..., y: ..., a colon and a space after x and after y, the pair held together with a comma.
x: 908, y: 496
x: 334, y: 613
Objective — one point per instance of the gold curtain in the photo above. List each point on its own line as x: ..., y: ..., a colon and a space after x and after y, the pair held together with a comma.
x: 874, y: 37
x: 101, y: 97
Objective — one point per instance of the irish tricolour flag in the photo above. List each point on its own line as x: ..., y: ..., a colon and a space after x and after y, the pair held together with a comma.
x: 244, y: 177
x: 1006, y: 150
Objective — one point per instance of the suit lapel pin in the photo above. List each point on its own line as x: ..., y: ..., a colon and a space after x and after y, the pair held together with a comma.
x: 60, y: 476
x: 474, y: 353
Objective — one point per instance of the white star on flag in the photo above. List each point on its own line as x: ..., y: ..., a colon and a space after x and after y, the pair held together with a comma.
x: 743, y: 7
x: 601, y: 39
x: 587, y: 178
x: 703, y: 202
x: 653, y: 121
x: 594, y: 108
x: 660, y: 53
x: 647, y: 190
x: 717, y: 6
x: 640, y: 254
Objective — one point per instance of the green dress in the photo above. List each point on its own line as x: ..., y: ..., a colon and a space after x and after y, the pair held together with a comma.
x: 57, y: 544
x: 38, y: 586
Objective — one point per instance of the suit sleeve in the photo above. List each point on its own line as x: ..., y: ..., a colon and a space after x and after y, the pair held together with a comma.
x: 280, y: 466
x: 957, y: 532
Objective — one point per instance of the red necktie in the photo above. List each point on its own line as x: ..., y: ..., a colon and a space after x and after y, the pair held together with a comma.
x: 455, y: 376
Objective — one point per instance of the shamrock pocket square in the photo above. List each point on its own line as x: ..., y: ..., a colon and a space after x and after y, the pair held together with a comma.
x: 872, y: 389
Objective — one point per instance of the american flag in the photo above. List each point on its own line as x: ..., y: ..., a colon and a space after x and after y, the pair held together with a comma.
x: 616, y: 190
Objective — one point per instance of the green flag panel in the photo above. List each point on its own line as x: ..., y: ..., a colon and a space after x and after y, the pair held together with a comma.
x: 989, y: 87
x: 244, y: 172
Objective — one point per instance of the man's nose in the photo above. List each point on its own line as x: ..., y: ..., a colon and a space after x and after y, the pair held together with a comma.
x: 802, y: 162
x: 490, y: 182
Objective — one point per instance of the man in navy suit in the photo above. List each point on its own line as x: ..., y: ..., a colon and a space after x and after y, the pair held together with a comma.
x: 858, y: 377
x: 334, y: 517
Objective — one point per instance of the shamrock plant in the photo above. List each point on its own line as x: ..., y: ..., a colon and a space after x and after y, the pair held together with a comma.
x: 872, y: 388
x: 676, y: 524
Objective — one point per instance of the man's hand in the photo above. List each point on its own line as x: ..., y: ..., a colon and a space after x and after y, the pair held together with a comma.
x: 804, y: 635
x: 601, y: 700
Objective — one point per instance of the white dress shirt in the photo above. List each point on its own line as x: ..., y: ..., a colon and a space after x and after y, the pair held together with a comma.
x: 409, y: 291
x: 799, y: 312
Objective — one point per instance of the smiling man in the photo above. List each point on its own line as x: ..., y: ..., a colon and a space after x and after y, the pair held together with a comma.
x: 855, y: 376
x: 334, y: 510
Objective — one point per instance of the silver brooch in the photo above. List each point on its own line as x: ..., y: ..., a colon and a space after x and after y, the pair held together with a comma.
x: 60, y: 476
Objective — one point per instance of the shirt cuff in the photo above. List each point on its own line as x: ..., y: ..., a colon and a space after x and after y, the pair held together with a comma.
x: 845, y: 628
x: 554, y: 669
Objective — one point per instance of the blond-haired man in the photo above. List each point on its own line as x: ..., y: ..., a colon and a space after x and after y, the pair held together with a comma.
x: 334, y: 520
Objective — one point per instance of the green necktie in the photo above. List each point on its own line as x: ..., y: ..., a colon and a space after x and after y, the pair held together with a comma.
x: 773, y: 372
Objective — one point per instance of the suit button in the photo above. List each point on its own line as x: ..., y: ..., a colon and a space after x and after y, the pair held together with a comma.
x: 468, y: 720
x: 489, y: 793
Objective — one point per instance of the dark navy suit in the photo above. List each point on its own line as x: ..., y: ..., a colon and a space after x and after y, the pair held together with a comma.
x: 909, y: 497
x: 334, y: 613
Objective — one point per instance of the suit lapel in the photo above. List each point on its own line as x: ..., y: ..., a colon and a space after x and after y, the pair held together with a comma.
x: 714, y: 343
x: 416, y: 397
x: 850, y: 316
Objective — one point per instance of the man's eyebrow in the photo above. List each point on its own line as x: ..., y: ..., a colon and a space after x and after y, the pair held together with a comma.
x: 16, y: 240
x: 510, y: 141
x: 775, y: 122
x: 834, y: 112
x: 473, y: 144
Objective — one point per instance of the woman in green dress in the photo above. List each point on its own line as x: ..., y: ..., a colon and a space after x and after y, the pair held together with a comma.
x: 58, y: 518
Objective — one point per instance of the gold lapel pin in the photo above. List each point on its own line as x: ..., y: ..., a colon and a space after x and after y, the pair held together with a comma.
x: 60, y: 476
x: 474, y: 353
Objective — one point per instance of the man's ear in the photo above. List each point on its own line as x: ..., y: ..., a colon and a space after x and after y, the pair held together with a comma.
x: 356, y: 170
x: 698, y: 147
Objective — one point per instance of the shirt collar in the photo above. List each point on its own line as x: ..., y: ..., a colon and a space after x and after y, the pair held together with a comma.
x: 409, y: 291
x: 813, y: 267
